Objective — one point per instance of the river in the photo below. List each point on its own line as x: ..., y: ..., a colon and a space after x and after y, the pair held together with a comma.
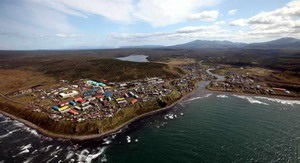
x: 202, y: 128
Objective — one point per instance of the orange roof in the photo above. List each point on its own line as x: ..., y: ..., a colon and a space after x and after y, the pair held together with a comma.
x: 73, y: 111
x: 133, y: 101
x: 77, y: 98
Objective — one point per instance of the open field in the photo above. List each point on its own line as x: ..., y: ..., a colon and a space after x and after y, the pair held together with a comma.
x: 178, y: 61
x: 13, y: 80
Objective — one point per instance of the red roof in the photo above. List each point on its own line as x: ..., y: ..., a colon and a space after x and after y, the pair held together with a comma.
x: 77, y: 98
x: 80, y: 101
x: 133, y: 101
x: 73, y: 111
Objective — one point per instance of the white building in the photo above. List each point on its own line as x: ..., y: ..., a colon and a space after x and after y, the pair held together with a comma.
x: 68, y: 95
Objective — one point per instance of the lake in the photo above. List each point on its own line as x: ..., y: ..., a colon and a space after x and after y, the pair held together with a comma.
x: 134, y: 58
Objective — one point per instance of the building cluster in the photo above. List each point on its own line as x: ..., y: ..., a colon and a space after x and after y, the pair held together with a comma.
x: 95, y: 100
x: 235, y: 82
x: 85, y: 99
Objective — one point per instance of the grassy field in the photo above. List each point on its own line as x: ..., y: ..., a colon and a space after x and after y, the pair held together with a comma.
x: 27, y: 70
x: 14, y: 79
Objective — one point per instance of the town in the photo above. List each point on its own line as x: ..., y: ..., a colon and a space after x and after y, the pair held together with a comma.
x: 84, y: 100
x: 247, y: 83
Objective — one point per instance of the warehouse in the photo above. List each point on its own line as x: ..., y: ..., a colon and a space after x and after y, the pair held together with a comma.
x: 68, y: 95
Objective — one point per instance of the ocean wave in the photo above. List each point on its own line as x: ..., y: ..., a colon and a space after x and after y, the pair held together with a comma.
x: 28, y: 160
x: 222, y: 96
x: 46, y: 149
x: 251, y: 100
x: 285, y: 102
x: 9, y: 133
x: 199, y: 97
x: 69, y: 155
x: 85, y: 156
x: 25, y: 128
x: 24, y: 149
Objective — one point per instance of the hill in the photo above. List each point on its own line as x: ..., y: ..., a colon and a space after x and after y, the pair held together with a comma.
x: 283, y: 43
x: 73, y: 67
x: 208, y: 44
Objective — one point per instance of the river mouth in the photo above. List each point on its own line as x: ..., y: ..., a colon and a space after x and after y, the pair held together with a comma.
x: 134, y: 58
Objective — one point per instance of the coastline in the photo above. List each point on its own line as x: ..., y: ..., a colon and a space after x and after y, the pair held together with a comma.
x: 117, y: 129
x: 93, y: 136
x: 250, y: 94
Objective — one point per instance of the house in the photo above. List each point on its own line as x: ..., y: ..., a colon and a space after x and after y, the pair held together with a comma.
x: 68, y: 95
x: 77, y: 99
x: 72, y: 103
x: 63, y: 109
x: 133, y: 101
x: 73, y: 112
x: 99, y: 84
x: 55, y: 108
x: 86, y: 107
x: 63, y: 104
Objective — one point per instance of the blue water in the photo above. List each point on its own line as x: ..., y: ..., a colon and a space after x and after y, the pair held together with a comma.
x: 134, y: 58
x: 202, y: 128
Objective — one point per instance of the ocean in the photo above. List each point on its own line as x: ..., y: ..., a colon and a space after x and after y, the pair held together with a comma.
x: 202, y: 128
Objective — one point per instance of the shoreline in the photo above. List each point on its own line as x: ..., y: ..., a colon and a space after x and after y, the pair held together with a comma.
x: 251, y: 94
x: 119, y: 128
x: 93, y: 136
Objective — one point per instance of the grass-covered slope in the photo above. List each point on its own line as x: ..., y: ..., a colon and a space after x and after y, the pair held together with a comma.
x: 95, y: 67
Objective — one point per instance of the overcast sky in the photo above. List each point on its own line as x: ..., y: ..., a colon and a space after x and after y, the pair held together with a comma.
x: 68, y: 24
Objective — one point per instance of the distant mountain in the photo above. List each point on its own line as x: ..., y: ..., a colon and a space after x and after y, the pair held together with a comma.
x: 208, y: 44
x: 283, y: 43
x: 141, y: 47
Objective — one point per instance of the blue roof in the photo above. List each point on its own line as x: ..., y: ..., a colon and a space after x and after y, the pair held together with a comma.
x: 108, y: 94
x: 55, y: 107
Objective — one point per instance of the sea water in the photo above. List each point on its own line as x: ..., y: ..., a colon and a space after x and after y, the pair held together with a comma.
x: 202, y: 128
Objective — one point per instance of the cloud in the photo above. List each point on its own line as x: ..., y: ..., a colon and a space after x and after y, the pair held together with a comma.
x: 116, y: 10
x: 232, y: 12
x: 239, y: 22
x: 31, y: 18
x: 68, y: 36
x: 195, y: 32
x: 220, y: 22
x: 211, y: 15
x: 281, y: 22
x: 162, y: 13
x: 193, y: 29
x: 155, y: 12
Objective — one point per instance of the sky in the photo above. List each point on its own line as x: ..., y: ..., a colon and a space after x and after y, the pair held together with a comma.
x: 85, y: 24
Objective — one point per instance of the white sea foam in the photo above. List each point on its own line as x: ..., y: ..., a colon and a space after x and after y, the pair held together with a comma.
x: 281, y: 101
x: 28, y: 146
x: 251, y: 100
x: 34, y: 151
x: 28, y: 129
x: 91, y: 157
x: 85, y: 156
x: 28, y: 160
x: 46, y: 149
x: 222, y: 96
x: 9, y: 133
x: 69, y: 155
x: 24, y: 149
x: 128, y: 139
x: 107, y: 142
x: 199, y: 97
x: 103, y: 159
